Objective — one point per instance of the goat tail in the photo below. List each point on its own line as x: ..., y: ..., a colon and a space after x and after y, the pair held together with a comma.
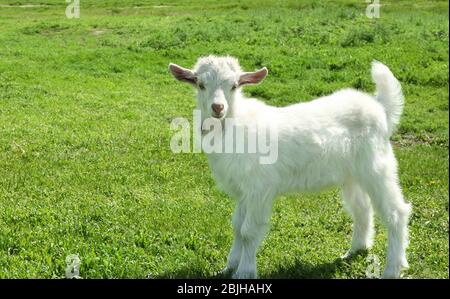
x: 388, y: 93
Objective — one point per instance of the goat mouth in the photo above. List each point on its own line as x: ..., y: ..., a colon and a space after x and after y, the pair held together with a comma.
x: 220, y: 115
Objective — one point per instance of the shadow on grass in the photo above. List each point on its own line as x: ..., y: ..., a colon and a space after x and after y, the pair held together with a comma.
x: 304, y: 270
x: 299, y: 270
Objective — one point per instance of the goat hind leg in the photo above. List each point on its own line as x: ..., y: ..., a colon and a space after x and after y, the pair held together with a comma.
x: 357, y: 203
x: 388, y: 202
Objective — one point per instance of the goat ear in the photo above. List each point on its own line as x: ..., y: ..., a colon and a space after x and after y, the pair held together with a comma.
x: 182, y: 74
x: 253, y: 77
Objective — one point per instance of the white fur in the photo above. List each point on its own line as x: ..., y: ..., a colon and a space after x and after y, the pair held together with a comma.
x: 337, y: 140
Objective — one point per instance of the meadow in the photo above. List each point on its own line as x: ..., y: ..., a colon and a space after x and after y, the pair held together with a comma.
x: 85, y: 111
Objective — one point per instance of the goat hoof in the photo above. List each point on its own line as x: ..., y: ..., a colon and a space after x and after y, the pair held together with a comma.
x: 244, y: 275
x: 353, y: 253
x: 349, y: 254
x: 392, y: 273
x: 227, y: 271
x: 390, y: 276
x: 405, y: 264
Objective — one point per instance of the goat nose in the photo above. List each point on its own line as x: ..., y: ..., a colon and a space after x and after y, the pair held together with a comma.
x: 217, y: 108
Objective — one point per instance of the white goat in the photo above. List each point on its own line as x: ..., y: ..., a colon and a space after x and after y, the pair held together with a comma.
x: 336, y: 140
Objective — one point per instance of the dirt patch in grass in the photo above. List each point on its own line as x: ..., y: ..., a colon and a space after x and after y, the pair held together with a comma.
x: 422, y: 139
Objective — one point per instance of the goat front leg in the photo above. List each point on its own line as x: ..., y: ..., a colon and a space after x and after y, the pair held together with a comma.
x: 234, y: 256
x: 252, y: 232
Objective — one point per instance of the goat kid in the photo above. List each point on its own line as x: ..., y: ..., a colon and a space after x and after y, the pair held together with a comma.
x: 337, y: 140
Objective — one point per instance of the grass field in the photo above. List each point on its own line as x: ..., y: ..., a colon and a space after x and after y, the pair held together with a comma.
x: 85, y: 109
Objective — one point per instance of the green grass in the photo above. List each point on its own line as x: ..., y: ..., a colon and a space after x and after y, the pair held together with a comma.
x: 85, y: 109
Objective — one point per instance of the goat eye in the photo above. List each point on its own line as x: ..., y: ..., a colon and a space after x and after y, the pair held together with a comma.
x: 234, y: 87
x: 201, y: 86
